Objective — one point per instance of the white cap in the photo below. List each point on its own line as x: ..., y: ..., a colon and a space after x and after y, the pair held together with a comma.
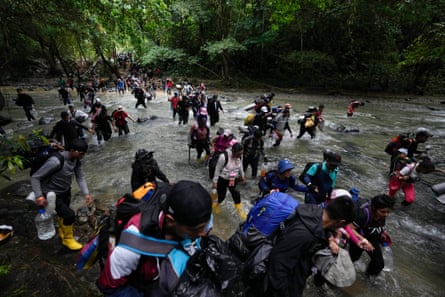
x: 98, y: 100
x: 403, y: 150
x: 337, y: 193
x: 120, y: 107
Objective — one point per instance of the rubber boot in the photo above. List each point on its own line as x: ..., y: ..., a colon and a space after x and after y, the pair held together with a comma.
x: 68, y: 238
x: 240, y: 211
x: 59, y: 227
x: 216, y: 207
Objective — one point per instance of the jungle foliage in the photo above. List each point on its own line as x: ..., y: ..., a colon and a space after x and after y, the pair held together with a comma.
x: 396, y: 45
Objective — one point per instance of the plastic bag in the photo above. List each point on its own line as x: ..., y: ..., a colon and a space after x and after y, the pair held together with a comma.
x: 211, y: 272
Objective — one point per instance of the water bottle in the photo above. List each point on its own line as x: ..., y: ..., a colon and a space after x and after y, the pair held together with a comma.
x: 45, y: 225
x: 387, y: 257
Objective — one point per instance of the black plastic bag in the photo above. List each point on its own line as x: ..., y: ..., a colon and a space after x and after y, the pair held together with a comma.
x: 211, y: 272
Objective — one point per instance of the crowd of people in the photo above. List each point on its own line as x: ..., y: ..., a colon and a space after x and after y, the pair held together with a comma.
x: 330, y: 220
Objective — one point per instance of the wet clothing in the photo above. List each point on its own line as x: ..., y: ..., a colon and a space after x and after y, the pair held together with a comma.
x: 281, y: 124
x: 372, y: 231
x: 226, y: 177
x: 120, y: 121
x: 67, y: 131
x: 26, y: 102
x: 146, y: 171
x: 322, y: 178
x: 272, y: 181
x: 174, y: 105
x: 50, y: 178
x: 200, y: 139
x: 407, y: 186
x: 213, y: 108
x: 221, y: 143
x: 290, y: 261
x: 308, y: 124
x: 101, y: 121
x: 128, y: 272
x: 65, y: 95
x: 253, y: 150
x: 140, y: 97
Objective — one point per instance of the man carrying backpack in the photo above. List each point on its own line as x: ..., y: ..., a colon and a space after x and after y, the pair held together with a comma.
x: 280, y: 180
x: 55, y: 177
x: 307, y: 232
x: 145, y: 169
x: 321, y: 177
x: 26, y: 102
x: 182, y: 220
x: 253, y: 150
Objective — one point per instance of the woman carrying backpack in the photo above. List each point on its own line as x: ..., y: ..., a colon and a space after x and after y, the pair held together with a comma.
x: 228, y: 171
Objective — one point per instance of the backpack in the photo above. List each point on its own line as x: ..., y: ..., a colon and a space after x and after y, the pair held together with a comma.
x: 268, y: 216
x: 306, y: 168
x: 148, y: 200
x: 41, y: 158
x: 264, y: 222
x: 395, y: 143
x: 214, y: 160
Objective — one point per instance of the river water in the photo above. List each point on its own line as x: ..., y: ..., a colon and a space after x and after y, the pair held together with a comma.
x: 418, y: 232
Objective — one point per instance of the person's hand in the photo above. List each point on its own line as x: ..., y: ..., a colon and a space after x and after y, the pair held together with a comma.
x: 312, y: 187
x: 214, y: 185
x: 333, y: 246
x: 88, y: 199
x: 41, y: 201
x: 366, y: 245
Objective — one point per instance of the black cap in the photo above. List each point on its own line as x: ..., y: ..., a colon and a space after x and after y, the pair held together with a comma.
x: 189, y: 203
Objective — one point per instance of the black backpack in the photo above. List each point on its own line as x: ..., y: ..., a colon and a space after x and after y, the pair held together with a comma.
x: 41, y: 158
x: 214, y: 160
x: 306, y: 168
x: 112, y: 224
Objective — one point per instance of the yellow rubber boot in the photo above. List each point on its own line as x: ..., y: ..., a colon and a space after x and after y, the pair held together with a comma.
x: 240, y: 210
x: 59, y: 227
x: 216, y: 207
x: 68, y: 238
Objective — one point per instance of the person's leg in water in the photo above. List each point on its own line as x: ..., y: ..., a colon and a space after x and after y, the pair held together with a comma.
x: 221, y: 188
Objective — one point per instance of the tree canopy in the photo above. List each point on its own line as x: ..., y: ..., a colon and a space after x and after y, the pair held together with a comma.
x: 369, y: 45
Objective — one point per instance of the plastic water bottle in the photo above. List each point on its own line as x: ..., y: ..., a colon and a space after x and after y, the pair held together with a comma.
x: 387, y: 257
x: 45, y: 225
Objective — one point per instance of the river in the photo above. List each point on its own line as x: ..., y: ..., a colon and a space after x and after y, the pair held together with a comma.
x: 418, y: 232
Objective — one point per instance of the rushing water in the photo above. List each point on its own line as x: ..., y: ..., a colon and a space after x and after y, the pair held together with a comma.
x: 418, y: 232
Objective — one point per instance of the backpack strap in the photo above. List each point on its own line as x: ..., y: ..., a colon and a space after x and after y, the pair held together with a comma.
x: 146, y: 245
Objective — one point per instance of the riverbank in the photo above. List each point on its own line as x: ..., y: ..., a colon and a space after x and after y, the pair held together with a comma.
x: 33, y: 267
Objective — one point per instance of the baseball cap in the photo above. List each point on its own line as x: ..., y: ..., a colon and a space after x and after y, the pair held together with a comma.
x: 227, y: 132
x: 120, y: 107
x: 403, y: 150
x: 189, y: 203
x: 98, y: 100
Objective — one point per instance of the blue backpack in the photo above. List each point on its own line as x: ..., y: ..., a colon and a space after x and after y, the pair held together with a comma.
x: 270, y: 214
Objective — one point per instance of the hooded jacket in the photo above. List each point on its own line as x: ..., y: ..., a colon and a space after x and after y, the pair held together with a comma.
x: 290, y: 260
